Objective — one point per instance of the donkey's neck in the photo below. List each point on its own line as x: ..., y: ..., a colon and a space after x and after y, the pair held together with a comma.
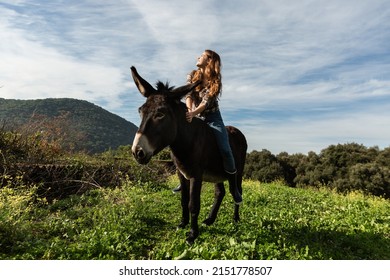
x: 186, y: 136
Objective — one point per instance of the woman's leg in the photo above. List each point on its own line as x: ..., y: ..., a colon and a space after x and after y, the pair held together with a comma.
x: 215, y: 121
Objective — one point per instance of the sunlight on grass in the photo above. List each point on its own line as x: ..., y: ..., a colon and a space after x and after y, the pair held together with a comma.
x: 139, y: 222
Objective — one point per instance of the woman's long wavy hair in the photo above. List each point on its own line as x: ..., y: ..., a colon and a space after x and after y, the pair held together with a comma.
x: 212, y: 77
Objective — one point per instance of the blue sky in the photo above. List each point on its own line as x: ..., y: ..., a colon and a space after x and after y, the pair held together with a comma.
x: 298, y: 76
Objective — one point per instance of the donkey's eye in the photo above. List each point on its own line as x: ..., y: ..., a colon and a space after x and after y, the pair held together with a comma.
x: 159, y: 116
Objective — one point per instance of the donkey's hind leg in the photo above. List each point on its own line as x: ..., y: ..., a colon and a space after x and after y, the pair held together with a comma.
x: 236, y: 216
x: 218, y: 196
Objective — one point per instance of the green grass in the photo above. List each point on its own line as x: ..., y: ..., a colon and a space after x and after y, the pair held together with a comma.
x: 133, y: 222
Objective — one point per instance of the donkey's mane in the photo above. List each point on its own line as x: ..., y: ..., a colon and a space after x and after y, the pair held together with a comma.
x: 164, y: 87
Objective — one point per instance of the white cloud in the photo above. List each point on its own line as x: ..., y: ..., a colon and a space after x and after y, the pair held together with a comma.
x: 282, y: 61
x: 303, y: 134
x: 180, y: 31
x: 31, y: 70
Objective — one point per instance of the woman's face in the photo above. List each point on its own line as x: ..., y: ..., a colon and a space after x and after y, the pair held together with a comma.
x: 203, y: 60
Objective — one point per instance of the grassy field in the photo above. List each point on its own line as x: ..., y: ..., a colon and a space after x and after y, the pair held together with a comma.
x: 139, y: 222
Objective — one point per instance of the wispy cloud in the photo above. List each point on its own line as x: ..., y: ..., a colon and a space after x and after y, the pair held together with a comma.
x: 297, y: 76
x: 32, y: 70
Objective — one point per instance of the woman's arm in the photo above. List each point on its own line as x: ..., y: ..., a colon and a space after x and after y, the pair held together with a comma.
x: 198, y: 110
x: 189, y: 103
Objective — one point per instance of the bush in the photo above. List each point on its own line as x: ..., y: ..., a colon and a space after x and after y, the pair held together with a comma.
x: 371, y: 178
x: 263, y: 166
x: 344, y: 167
x: 58, y: 174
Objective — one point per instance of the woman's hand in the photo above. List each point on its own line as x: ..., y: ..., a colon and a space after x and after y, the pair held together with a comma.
x: 192, y: 113
x: 189, y: 116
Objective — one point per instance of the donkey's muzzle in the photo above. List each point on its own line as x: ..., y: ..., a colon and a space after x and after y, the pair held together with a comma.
x: 141, y: 149
x: 140, y: 155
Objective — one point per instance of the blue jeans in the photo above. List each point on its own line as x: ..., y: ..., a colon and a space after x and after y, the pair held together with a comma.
x: 214, y: 120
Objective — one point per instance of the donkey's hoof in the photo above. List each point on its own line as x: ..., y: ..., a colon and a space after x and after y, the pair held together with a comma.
x: 191, y: 236
x: 237, y: 199
x: 209, y: 221
x: 190, y: 241
x: 181, y: 225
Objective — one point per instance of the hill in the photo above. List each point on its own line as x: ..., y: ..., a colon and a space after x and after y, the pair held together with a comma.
x: 79, y: 124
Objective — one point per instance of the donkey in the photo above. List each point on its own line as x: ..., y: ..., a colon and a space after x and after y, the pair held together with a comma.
x: 193, y: 148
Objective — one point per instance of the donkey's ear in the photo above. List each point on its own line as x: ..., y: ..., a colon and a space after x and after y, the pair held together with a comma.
x: 143, y: 86
x: 183, y: 90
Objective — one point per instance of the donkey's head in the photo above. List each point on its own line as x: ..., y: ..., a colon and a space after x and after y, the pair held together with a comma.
x: 158, y: 126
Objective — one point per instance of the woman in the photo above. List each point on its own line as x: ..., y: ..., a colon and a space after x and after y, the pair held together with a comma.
x: 203, y: 101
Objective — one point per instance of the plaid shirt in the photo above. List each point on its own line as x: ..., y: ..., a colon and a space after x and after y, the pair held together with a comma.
x: 202, y: 97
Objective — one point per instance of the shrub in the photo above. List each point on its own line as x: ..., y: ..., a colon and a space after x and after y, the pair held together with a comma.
x: 263, y: 166
x: 371, y: 178
x: 344, y: 167
x: 59, y: 174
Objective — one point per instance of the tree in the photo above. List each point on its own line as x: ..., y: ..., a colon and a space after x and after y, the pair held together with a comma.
x: 263, y: 166
x: 371, y: 178
x: 288, y: 164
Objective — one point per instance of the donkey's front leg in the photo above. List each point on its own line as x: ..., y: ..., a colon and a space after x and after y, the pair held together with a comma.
x: 185, y: 200
x: 194, y: 206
